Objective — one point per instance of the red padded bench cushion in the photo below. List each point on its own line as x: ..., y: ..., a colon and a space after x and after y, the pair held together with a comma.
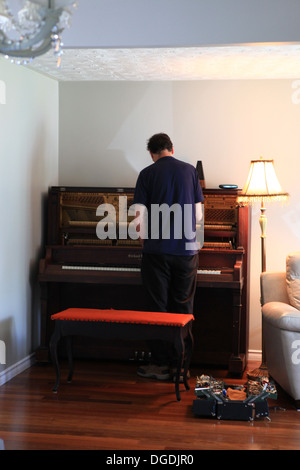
x: 123, y: 316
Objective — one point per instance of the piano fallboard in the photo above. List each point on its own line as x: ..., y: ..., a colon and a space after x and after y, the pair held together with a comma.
x: 121, y: 265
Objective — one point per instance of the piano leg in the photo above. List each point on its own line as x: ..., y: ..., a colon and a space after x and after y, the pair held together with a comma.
x: 55, y: 338
x: 237, y: 364
x: 237, y: 361
x: 49, y: 303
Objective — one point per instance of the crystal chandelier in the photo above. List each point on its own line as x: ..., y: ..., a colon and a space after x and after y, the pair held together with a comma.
x: 34, y: 28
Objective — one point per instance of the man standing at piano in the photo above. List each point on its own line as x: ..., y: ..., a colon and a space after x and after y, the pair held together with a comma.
x: 168, y: 197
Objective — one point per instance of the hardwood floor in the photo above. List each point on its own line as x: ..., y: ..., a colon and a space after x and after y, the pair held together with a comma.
x: 107, y: 406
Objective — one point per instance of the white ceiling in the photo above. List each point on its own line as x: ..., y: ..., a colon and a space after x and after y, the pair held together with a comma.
x: 259, y: 61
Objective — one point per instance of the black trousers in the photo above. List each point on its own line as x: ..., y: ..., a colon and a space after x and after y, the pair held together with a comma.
x: 170, y: 282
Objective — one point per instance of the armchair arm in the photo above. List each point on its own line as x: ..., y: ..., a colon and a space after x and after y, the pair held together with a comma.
x: 273, y: 287
x: 282, y: 316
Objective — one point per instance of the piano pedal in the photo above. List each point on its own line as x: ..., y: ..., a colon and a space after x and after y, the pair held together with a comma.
x: 140, y: 356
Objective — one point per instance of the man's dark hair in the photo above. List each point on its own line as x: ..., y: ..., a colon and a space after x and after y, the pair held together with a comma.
x: 159, y: 142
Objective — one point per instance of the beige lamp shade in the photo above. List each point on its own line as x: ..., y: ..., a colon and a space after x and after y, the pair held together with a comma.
x: 262, y: 183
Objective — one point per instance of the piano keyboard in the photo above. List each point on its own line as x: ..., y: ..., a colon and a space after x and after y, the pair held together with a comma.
x: 208, y: 271
x: 102, y: 268
x: 127, y: 269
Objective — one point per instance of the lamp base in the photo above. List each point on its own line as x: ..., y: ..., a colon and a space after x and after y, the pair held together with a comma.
x: 256, y: 374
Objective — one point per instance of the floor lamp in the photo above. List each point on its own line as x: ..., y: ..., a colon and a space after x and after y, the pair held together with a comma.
x: 262, y: 185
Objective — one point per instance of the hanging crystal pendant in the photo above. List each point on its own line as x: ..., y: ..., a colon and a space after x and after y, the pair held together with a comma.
x: 37, y: 28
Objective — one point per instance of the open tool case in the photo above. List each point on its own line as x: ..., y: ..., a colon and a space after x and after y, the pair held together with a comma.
x: 236, y: 402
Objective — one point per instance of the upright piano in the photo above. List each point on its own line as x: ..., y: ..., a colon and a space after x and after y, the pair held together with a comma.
x: 82, y: 269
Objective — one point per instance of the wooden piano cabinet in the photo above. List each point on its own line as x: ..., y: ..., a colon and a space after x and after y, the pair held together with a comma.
x: 217, y: 329
x: 220, y: 329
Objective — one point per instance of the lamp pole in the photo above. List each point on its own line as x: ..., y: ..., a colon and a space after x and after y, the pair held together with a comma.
x: 262, y: 371
x: 263, y: 227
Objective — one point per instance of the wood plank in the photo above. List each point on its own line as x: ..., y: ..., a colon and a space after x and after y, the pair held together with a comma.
x: 108, y: 407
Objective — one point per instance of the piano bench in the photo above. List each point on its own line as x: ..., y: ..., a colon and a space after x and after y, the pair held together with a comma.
x: 128, y: 325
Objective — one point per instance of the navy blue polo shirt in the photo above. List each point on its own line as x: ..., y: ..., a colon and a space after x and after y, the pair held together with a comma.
x: 169, y: 188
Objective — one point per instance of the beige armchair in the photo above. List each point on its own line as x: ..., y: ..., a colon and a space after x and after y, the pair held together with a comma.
x: 280, y: 297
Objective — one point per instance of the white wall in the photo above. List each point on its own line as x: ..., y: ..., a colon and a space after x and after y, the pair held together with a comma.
x: 29, y: 164
x: 104, y: 128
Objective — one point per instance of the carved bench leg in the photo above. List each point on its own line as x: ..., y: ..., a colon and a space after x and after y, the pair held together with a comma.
x: 184, y: 350
x: 70, y: 358
x: 188, y: 351
x: 53, y: 353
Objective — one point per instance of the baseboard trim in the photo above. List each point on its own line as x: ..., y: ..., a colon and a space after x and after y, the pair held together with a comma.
x: 16, y: 369
x: 254, y: 355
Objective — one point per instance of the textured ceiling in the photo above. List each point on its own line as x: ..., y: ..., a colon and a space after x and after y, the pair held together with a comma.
x: 190, y: 63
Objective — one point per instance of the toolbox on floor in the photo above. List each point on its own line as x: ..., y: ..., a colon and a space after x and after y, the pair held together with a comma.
x: 236, y: 402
